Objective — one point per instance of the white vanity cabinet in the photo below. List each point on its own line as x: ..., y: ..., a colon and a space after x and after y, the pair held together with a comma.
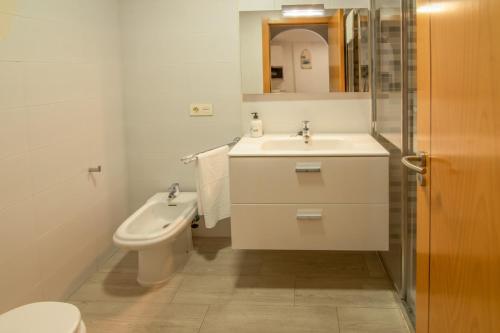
x: 309, y: 202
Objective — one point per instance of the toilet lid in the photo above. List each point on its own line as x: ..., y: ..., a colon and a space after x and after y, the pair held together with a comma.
x: 43, y: 317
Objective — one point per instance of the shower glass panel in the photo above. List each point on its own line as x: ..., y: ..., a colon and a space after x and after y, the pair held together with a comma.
x: 388, y: 120
x: 394, y: 104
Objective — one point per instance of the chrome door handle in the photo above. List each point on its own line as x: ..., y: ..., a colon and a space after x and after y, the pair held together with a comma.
x: 420, y: 158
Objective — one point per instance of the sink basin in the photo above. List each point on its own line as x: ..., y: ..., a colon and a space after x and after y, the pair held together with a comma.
x: 297, y: 144
x: 319, y: 145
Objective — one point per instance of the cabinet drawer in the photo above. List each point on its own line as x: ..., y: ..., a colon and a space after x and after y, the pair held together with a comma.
x: 354, y: 227
x: 309, y: 179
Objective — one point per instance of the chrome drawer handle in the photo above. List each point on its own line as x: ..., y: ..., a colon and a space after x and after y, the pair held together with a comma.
x: 308, y: 167
x: 304, y: 215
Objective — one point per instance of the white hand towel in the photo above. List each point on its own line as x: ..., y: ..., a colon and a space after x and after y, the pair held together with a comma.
x: 212, y: 170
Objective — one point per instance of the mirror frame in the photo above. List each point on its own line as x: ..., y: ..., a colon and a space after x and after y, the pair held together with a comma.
x: 291, y: 96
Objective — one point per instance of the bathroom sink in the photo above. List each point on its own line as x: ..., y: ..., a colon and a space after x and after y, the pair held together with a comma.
x: 318, y: 145
x: 297, y: 144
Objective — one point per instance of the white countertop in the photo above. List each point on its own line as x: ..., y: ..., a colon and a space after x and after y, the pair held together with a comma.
x: 319, y: 145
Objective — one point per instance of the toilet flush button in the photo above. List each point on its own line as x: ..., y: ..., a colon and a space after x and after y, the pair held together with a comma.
x: 201, y: 110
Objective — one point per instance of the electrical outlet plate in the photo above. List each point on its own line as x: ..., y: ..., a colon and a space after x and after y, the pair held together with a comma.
x: 201, y: 110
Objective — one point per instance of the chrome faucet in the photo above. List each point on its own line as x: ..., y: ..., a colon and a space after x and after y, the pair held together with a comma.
x: 173, y: 190
x: 305, y: 132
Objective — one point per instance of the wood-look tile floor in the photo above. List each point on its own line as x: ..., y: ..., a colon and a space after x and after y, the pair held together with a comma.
x: 224, y: 290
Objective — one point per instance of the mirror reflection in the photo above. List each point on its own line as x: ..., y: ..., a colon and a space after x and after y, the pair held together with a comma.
x: 323, y: 54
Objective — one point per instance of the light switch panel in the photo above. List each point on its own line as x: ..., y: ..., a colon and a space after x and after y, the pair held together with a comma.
x: 201, y: 110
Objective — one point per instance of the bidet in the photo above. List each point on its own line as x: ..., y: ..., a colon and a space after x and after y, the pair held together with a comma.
x: 160, y: 231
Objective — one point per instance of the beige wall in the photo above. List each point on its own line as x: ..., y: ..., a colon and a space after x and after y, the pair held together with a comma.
x: 348, y: 113
x: 60, y: 112
x: 177, y: 53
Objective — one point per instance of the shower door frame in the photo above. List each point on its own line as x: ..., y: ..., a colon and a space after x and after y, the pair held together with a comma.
x: 405, y: 245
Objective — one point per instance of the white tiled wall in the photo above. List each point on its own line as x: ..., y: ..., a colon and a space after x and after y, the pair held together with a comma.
x: 60, y: 112
x: 176, y: 53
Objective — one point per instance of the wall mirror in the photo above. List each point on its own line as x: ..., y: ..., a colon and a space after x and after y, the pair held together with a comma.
x: 325, y: 53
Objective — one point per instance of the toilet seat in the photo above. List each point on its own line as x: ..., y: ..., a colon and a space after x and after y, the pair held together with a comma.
x: 43, y: 317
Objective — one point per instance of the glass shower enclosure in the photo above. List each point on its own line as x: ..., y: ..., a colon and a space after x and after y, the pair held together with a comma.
x: 394, y: 126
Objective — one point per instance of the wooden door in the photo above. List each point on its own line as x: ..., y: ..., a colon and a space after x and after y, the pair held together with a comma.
x: 461, y: 118
x: 266, y: 56
x: 336, y: 50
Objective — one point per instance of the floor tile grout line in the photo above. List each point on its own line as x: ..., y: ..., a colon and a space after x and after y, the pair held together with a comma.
x: 338, y: 318
x: 204, y: 316
x: 177, y: 290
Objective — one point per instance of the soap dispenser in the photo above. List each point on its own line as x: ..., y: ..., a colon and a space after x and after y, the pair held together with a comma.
x: 256, y: 126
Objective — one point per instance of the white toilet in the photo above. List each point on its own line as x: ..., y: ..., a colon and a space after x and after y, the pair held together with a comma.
x: 161, y: 231
x: 43, y: 317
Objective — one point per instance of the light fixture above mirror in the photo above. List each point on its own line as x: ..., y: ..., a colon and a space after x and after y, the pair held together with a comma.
x: 303, y: 10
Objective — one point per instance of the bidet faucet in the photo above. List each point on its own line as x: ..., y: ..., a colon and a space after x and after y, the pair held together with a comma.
x: 173, y: 190
x: 305, y: 132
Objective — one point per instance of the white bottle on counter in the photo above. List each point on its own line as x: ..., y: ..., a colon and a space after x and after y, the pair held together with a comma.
x: 256, y: 126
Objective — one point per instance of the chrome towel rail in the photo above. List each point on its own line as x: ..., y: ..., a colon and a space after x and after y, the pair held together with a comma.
x: 193, y: 157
